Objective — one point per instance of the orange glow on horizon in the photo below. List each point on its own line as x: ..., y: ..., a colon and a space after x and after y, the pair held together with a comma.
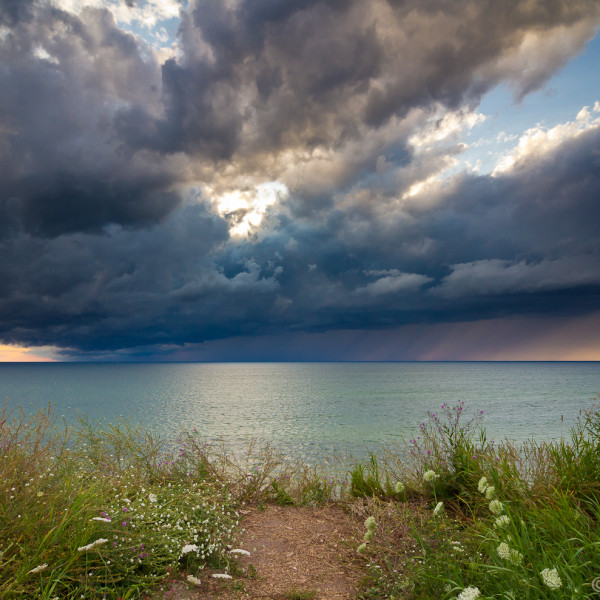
x: 21, y: 354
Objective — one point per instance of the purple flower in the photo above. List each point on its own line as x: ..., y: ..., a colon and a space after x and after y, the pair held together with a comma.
x: 124, y: 523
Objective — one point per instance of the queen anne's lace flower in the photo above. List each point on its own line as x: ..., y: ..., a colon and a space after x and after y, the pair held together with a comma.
x: 503, y: 551
x: 194, y: 580
x: 469, y: 593
x: 482, y: 485
x: 502, y: 521
x: 189, y: 548
x: 490, y: 492
x: 152, y: 497
x: 92, y: 545
x: 496, y: 507
x: 430, y: 476
x: 40, y: 568
x: 239, y: 551
x: 551, y: 578
x: 222, y: 576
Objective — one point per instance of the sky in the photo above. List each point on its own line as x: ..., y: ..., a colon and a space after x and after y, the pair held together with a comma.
x: 300, y: 180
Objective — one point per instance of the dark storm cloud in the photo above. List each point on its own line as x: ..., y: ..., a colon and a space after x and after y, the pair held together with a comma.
x: 99, y: 144
x: 265, y: 77
x: 61, y: 167
x: 489, y: 248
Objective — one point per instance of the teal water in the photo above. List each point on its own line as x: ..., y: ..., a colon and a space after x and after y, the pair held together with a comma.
x: 308, y: 409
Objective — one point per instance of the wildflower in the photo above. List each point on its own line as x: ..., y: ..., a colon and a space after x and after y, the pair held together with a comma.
x: 496, y: 507
x: 103, y: 519
x: 40, y: 568
x: 239, y: 551
x: 482, y: 485
x: 368, y: 535
x: 551, y: 578
x: 469, y: 593
x: 361, y: 548
x: 503, y: 551
x: 370, y: 523
x: 189, y: 548
x: 194, y: 580
x: 502, y: 521
x: 399, y: 487
x: 490, y: 492
x: 515, y: 556
x: 430, y: 476
x: 221, y: 576
x: 92, y: 545
x: 152, y: 497
x: 439, y: 508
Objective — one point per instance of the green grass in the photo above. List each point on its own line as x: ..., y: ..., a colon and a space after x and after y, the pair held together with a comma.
x: 111, y: 511
x: 513, y: 523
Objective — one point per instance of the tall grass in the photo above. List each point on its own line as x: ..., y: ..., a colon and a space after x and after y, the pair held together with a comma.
x: 112, y: 511
x: 486, y: 521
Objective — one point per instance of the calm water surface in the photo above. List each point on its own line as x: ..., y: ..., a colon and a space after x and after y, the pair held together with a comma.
x: 308, y: 409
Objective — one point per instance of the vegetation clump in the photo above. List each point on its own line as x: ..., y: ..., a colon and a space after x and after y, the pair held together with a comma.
x: 113, y: 512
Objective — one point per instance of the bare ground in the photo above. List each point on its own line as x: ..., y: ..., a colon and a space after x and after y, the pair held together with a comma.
x: 296, y: 553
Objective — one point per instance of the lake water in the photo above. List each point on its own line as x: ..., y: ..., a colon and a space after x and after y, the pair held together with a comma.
x: 309, y: 410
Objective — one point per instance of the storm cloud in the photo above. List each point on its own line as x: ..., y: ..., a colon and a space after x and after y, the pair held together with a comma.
x: 115, y: 163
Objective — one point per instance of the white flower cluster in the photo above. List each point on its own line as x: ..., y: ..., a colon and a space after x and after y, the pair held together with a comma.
x: 551, y: 578
x: 469, y: 593
x: 194, y: 580
x: 496, y: 507
x: 40, y: 568
x: 439, y: 509
x: 92, y: 545
x: 189, y: 548
x: 222, y: 576
x: 502, y: 521
x: 507, y: 553
x: 239, y: 551
x: 430, y: 476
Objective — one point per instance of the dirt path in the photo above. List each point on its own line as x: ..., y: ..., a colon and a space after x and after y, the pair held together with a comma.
x: 296, y: 553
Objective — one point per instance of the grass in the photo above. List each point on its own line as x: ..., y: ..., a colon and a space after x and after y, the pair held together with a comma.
x: 114, y: 512
x: 477, y: 520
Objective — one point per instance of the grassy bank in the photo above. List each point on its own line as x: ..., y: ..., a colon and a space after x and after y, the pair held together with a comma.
x: 113, y: 512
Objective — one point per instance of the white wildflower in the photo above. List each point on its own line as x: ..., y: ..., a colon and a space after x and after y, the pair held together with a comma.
x: 189, y: 548
x: 103, y: 519
x: 551, y: 578
x: 430, y: 476
x: 92, y: 545
x: 496, y: 507
x: 482, y: 485
x: 439, y: 508
x: 399, y: 487
x: 502, y: 521
x: 515, y: 557
x: 152, y: 497
x: 503, y: 551
x: 370, y: 523
x: 469, y: 593
x: 40, y: 568
x: 222, y: 576
x: 194, y: 580
x: 490, y: 492
x: 239, y: 551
